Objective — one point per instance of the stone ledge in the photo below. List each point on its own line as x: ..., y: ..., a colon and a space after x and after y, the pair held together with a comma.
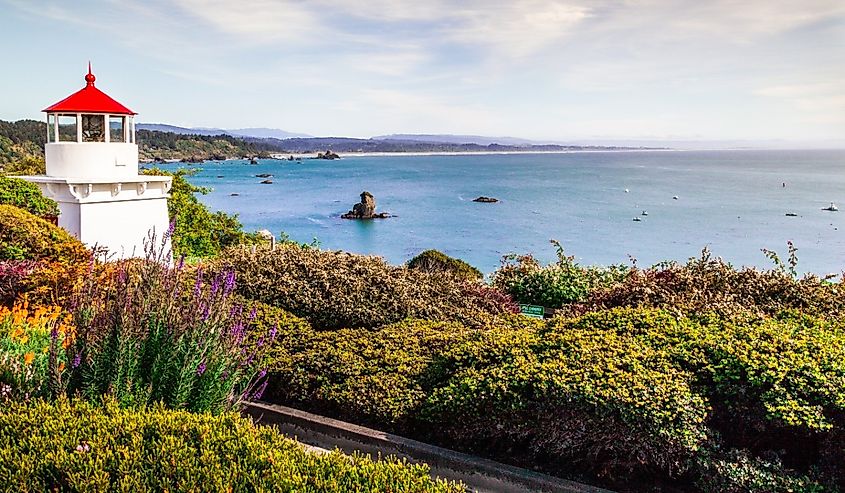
x: 480, y: 475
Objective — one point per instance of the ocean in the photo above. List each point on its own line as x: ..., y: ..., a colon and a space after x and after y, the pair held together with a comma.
x: 732, y: 202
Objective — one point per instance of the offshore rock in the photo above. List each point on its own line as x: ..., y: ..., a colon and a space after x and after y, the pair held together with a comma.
x: 366, y: 209
x: 327, y: 155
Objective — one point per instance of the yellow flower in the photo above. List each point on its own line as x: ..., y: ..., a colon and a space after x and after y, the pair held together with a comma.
x: 28, y: 358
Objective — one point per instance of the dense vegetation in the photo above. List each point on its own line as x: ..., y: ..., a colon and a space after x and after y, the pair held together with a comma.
x: 333, y: 290
x: 689, y: 376
x: 156, y: 145
x: 24, y: 236
x: 27, y: 196
x: 73, y: 446
x: 198, y: 232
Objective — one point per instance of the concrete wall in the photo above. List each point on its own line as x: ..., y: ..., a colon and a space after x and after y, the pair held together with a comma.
x: 121, y: 227
x: 94, y: 160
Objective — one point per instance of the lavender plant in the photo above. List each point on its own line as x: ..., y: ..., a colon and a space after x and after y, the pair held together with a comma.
x: 149, y: 330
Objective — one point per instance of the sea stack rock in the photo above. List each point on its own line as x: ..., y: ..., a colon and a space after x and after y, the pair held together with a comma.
x: 486, y: 200
x: 328, y: 155
x: 366, y: 209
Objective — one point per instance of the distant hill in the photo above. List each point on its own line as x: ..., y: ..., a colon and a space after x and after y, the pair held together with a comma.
x: 259, y: 132
x: 461, y: 139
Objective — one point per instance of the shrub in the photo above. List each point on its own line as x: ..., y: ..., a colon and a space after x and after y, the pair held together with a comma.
x: 631, y: 396
x: 437, y: 262
x: 26, y: 237
x: 553, y: 285
x: 739, y: 473
x: 146, y: 333
x: 335, y: 289
x: 13, y: 278
x: 27, y: 196
x: 73, y: 446
x: 706, y: 284
x: 377, y: 376
x: 198, y: 232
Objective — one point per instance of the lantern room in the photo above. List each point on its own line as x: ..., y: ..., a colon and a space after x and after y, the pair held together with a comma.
x: 90, y: 134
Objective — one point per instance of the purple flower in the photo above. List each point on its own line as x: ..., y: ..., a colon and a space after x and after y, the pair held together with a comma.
x: 201, y: 368
x: 252, y: 314
x: 273, y: 332
x: 170, y: 228
x: 198, y: 283
x: 262, y: 373
x: 215, y: 285
x: 230, y: 283
x: 258, y: 393
x: 180, y: 263
x: 76, y: 360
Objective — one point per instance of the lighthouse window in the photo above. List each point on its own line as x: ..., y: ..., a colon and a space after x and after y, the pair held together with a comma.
x: 51, y: 128
x: 67, y: 128
x: 92, y: 128
x: 117, y: 129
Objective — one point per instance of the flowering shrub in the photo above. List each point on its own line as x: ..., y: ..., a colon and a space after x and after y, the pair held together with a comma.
x: 334, y: 289
x: 146, y: 333
x: 31, y: 360
x: 553, y: 285
x: 74, y: 446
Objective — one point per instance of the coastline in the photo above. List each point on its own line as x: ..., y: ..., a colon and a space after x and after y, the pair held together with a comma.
x: 463, y: 153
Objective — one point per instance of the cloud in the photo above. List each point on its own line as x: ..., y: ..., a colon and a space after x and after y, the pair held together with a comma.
x: 258, y: 21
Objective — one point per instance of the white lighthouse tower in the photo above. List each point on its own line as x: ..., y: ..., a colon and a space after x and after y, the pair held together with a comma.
x: 92, y: 172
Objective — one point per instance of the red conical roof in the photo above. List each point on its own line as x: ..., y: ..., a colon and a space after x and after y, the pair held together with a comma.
x: 89, y: 99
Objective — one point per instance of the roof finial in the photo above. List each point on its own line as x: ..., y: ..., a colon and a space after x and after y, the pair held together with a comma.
x: 90, y: 77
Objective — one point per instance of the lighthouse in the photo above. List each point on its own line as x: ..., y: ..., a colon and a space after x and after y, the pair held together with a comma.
x: 92, y: 172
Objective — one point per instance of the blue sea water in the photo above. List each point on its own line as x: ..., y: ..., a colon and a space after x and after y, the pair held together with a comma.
x: 732, y: 202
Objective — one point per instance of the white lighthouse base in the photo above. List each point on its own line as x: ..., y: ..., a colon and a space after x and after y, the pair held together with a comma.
x: 117, y: 216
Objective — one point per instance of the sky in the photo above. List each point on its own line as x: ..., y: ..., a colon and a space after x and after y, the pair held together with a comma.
x: 755, y: 70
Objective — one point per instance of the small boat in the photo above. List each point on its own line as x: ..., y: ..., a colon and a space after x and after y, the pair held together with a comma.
x: 626, y: 190
x: 636, y: 219
x: 645, y: 213
x: 674, y: 197
x: 832, y: 208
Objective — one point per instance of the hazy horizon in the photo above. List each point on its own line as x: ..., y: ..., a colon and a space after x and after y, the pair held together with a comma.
x: 647, y: 71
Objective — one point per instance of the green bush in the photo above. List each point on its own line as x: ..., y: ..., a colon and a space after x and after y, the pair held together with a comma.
x: 622, y: 395
x: 335, y: 289
x: 378, y: 376
x: 24, y: 236
x: 73, y: 446
x: 198, y: 233
x: 27, y: 196
x: 553, y: 285
x: 437, y: 262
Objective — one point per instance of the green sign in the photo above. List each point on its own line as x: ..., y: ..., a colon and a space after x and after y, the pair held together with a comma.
x: 533, y: 311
